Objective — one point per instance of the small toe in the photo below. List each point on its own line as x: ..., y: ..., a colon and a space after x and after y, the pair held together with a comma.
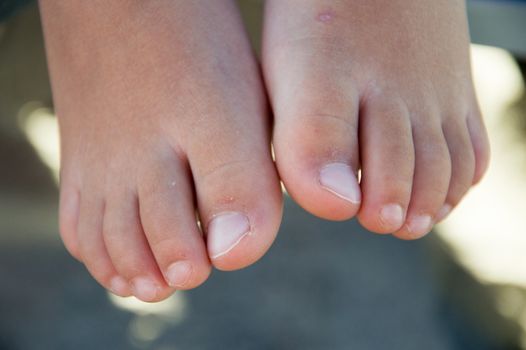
x: 169, y: 219
x: 129, y: 250
x: 480, y: 143
x: 462, y: 164
x: 93, y: 249
x: 69, y: 218
x: 387, y: 155
x: 431, y: 179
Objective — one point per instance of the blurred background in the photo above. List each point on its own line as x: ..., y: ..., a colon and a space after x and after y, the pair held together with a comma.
x: 322, y: 285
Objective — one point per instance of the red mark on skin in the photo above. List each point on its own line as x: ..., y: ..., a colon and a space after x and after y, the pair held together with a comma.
x: 325, y: 16
x: 227, y: 200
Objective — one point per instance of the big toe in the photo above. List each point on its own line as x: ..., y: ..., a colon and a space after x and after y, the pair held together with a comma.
x: 316, y: 132
x: 239, y: 199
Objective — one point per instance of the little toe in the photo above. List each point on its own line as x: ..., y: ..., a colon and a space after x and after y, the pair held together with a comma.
x: 69, y: 218
x: 480, y: 143
x: 462, y: 164
x: 93, y: 249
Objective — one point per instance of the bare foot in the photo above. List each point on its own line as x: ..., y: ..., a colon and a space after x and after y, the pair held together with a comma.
x: 162, y: 114
x: 378, y: 86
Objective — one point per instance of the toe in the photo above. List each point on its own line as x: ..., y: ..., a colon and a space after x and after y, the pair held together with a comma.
x: 170, y: 223
x: 239, y: 197
x: 387, y: 155
x: 462, y: 163
x: 93, y: 249
x: 128, y: 248
x: 69, y: 218
x: 315, y: 143
x: 240, y: 224
x: 480, y: 143
x: 431, y: 178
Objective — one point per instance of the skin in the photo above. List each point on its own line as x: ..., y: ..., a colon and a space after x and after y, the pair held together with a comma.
x: 385, y: 87
x: 159, y: 119
x: 163, y: 116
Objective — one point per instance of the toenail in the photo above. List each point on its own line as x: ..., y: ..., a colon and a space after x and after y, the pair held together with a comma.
x: 145, y: 289
x: 178, y: 274
x: 419, y: 225
x: 444, y: 211
x: 339, y: 179
x: 392, y: 216
x: 225, y: 231
x: 119, y: 286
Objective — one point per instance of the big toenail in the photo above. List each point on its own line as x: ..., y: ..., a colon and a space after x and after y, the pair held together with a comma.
x: 225, y: 231
x: 145, y: 289
x: 420, y: 225
x: 392, y: 216
x: 119, y: 286
x: 339, y: 179
x: 443, y: 212
x: 178, y: 274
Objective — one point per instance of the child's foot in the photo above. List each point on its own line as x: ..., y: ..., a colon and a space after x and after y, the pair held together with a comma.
x: 162, y: 114
x: 378, y: 85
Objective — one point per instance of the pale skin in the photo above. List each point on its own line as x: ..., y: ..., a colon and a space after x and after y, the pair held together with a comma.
x: 163, y: 114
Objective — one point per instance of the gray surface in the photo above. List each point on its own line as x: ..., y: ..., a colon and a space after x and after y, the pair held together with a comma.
x: 499, y: 23
x: 322, y: 286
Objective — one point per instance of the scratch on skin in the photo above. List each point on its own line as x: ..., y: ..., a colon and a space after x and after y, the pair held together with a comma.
x: 326, y: 16
x: 227, y: 200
